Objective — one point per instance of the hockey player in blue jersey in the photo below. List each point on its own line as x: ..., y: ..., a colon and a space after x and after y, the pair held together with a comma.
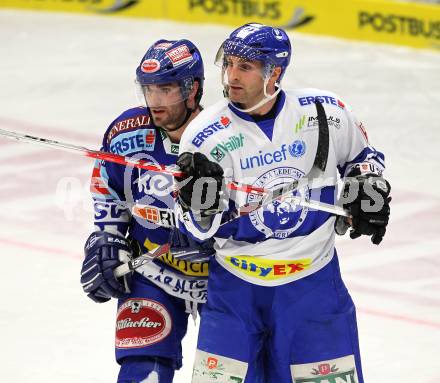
x: 134, y: 214
x: 275, y: 290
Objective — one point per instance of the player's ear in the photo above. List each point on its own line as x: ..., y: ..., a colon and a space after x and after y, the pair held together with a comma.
x: 276, y: 73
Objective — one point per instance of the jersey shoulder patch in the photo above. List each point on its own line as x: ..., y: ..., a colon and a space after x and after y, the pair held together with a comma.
x: 208, y: 123
x: 131, y: 132
x: 129, y: 120
x: 308, y: 96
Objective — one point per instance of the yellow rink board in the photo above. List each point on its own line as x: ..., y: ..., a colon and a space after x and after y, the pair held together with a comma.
x: 386, y: 21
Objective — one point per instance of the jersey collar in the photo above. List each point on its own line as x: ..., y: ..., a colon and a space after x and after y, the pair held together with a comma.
x: 266, y: 122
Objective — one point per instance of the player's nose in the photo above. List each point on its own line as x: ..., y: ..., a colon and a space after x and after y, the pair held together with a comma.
x: 233, y: 74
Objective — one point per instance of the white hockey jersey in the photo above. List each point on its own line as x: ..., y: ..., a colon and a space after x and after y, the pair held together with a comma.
x: 281, y: 242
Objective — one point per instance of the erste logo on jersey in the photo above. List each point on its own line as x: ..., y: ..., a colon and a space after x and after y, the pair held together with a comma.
x: 141, y: 322
x: 303, y: 101
x: 282, y: 217
x: 201, y: 136
x: 125, y: 143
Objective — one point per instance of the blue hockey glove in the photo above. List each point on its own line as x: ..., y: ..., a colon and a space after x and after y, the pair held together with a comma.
x: 366, y: 198
x: 184, y: 247
x: 203, y: 188
x: 103, y: 253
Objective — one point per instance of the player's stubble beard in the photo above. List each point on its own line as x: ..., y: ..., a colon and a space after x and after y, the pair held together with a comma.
x: 247, y: 96
x: 172, y: 117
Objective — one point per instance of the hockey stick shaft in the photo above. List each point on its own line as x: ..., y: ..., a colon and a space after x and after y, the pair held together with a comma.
x: 141, y: 260
x: 321, y: 206
x: 314, y: 205
x: 286, y: 191
x: 118, y: 159
x: 99, y: 155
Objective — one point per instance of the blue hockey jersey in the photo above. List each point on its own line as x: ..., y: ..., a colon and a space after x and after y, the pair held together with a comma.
x: 141, y: 202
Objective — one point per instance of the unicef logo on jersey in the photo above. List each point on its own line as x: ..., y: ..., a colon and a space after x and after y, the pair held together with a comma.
x: 280, y: 218
x: 297, y: 149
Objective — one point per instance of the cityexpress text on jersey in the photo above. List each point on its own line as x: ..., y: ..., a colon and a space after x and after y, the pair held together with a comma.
x: 267, y: 269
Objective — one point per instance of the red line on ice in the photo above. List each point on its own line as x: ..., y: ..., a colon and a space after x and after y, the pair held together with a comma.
x: 402, y: 318
x: 40, y: 248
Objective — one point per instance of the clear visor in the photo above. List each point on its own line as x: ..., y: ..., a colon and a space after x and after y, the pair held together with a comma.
x: 242, y: 51
x: 163, y: 95
x: 242, y: 58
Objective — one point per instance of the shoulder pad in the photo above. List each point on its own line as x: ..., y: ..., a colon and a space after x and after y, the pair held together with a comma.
x: 307, y: 96
x: 210, y: 121
x: 130, y: 120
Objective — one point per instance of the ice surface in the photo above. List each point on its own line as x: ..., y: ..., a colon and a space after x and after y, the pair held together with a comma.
x: 68, y: 76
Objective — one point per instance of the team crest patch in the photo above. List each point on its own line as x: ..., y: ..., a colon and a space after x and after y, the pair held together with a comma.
x: 297, y: 149
x: 280, y: 218
x: 341, y: 370
x: 141, y: 322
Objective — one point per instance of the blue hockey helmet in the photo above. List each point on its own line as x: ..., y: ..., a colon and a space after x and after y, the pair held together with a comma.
x: 259, y: 42
x: 168, y: 61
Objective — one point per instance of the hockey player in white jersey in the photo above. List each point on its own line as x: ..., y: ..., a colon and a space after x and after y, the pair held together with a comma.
x: 275, y: 291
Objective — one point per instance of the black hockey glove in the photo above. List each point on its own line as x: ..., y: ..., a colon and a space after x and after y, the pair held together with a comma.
x: 184, y: 247
x: 203, y: 188
x: 104, y: 252
x: 366, y: 198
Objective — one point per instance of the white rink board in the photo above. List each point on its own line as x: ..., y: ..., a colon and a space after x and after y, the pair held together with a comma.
x: 68, y: 76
